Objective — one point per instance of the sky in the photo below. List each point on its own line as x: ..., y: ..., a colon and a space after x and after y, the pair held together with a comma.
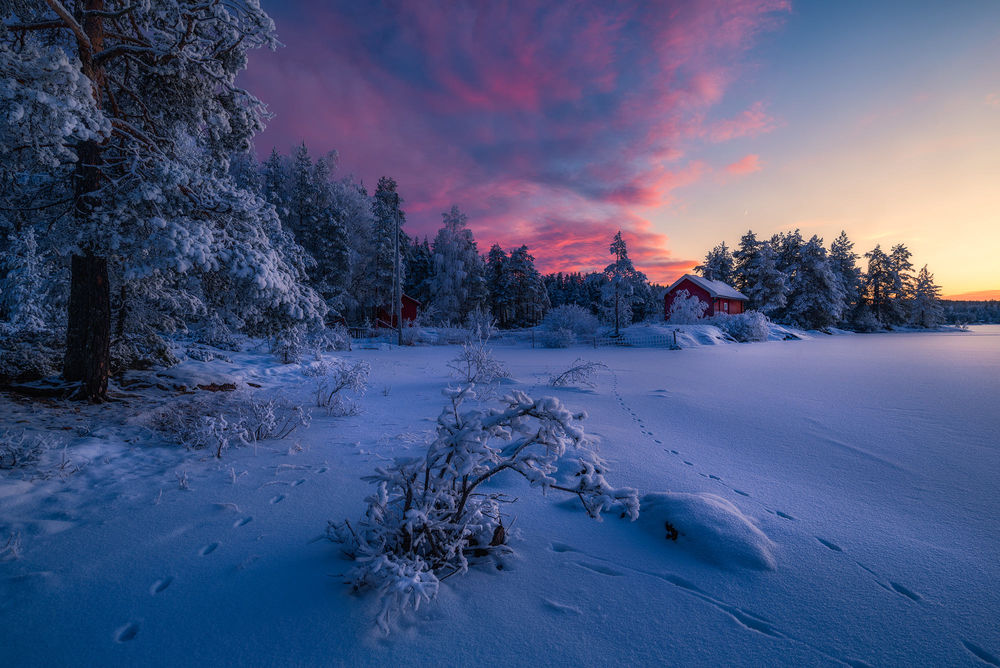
x: 681, y: 123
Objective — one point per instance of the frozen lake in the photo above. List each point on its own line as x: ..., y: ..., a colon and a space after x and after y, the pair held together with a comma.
x: 870, y: 463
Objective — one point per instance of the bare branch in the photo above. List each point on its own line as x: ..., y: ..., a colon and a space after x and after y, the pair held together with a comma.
x: 71, y: 23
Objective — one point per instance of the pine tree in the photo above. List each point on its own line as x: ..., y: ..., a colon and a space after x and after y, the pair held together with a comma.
x: 901, y: 288
x: 23, y: 289
x: 926, y: 309
x: 756, y: 274
x: 718, y: 264
x: 621, y: 279
x: 844, y: 263
x: 457, y: 284
x: 156, y: 113
x: 878, y: 281
x: 419, y: 269
x: 815, y: 299
x: 499, y: 284
x: 388, y: 218
x: 529, y: 300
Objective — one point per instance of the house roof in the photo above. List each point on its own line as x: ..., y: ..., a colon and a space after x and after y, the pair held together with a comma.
x: 715, y: 289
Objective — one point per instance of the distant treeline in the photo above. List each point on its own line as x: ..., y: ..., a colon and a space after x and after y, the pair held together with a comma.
x: 971, y: 312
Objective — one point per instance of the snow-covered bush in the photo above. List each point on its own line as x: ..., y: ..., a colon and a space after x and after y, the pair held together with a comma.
x: 289, y: 344
x: 581, y: 372
x: 19, y: 448
x: 29, y: 356
x: 480, y: 324
x: 557, y: 338
x: 330, y: 339
x: 477, y: 365
x: 140, y: 350
x: 576, y: 319
x: 429, y: 518
x: 218, y: 420
x: 686, y: 309
x: 334, y: 379
x: 744, y: 327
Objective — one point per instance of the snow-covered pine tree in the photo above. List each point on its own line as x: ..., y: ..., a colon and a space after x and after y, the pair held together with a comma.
x: 718, y: 264
x: 815, y: 299
x: 151, y: 147
x: 458, y: 284
x: 621, y: 279
x: 23, y: 287
x: 756, y: 274
x: 419, y: 268
x: 878, y: 281
x: 499, y: 286
x: 926, y: 309
x: 388, y: 218
x: 901, y: 289
x: 844, y: 263
x: 529, y: 300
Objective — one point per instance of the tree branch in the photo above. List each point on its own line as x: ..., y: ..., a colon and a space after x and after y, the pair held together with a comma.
x: 71, y: 23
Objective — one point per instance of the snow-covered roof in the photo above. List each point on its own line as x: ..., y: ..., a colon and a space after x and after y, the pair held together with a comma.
x: 715, y: 289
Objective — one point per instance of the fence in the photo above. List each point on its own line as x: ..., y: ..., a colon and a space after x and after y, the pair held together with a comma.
x: 641, y: 341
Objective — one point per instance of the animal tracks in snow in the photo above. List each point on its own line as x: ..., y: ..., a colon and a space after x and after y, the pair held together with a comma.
x: 160, y: 585
x: 127, y: 632
x: 888, y: 585
x: 208, y: 549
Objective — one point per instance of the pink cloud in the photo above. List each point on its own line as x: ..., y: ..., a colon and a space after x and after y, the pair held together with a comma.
x: 748, y: 164
x: 550, y: 125
x: 753, y: 121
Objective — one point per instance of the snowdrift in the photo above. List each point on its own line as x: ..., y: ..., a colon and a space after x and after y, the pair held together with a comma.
x: 710, y: 528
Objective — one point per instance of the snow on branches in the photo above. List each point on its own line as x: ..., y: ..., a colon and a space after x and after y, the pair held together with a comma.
x: 428, y: 518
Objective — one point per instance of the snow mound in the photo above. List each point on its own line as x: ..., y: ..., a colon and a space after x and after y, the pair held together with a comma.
x: 710, y: 527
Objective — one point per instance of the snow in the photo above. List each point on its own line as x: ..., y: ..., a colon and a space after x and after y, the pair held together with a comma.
x: 836, y: 497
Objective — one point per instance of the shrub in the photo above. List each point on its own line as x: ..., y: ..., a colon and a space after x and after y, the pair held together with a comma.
x: 744, y: 327
x: 557, y: 338
x: 26, y: 356
x: 333, y: 380
x: 19, y: 448
x: 481, y: 325
x: 686, y: 309
x: 289, y: 345
x: 580, y: 372
x: 218, y: 420
x: 576, y: 319
x: 476, y: 364
x: 428, y: 518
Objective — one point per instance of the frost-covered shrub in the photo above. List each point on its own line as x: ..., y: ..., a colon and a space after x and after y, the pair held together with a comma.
x: 581, y: 372
x: 686, y: 309
x: 217, y: 333
x: 480, y: 325
x: 477, y: 365
x: 19, y: 448
x: 216, y: 421
x: 576, y: 319
x: 330, y: 339
x: 334, y: 379
x: 289, y: 345
x: 557, y: 338
x: 429, y: 517
x: 744, y: 327
x: 25, y: 356
x: 140, y: 350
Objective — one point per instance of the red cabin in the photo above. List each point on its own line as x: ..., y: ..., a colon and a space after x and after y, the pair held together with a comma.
x: 410, y: 306
x: 720, y: 297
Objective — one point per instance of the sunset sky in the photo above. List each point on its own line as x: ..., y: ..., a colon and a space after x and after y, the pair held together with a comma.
x: 683, y: 124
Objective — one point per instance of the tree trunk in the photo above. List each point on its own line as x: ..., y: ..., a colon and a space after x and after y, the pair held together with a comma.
x: 88, y: 330
x: 88, y: 325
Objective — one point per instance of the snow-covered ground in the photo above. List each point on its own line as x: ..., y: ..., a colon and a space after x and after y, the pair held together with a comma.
x: 836, y: 497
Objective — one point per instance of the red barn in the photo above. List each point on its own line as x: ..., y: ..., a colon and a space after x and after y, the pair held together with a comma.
x: 409, y: 308
x: 720, y: 297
